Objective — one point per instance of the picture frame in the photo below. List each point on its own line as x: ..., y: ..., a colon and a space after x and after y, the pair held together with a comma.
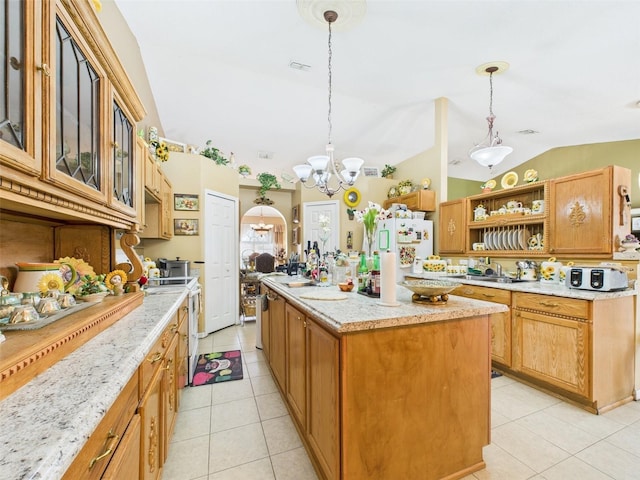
x: 371, y: 171
x: 186, y: 202
x: 295, y: 214
x: 635, y: 224
x: 295, y: 236
x: 186, y: 226
x: 173, y: 146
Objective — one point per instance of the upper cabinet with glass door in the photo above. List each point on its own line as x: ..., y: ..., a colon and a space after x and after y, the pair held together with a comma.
x: 79, y: 139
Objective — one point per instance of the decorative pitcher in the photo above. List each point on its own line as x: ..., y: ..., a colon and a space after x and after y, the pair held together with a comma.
x: 29, y: 274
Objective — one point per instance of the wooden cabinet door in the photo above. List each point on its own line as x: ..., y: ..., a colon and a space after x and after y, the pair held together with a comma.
x: 295, y: 327
x: 277, y: 338
x: 151, y: 439
x: 167, y: 208
x: 151, y: 175
x: 452, y: 227
x: 169, y: 395
x: 552, y: 349
x: 126, y: 459
x: 323, y: 393
x: 580, y: 217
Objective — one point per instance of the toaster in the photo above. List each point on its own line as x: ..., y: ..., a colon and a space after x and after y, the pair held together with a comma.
x: 600, y: 278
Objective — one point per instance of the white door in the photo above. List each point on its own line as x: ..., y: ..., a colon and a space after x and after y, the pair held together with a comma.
x: 311, y: 214
x: 221, y: 265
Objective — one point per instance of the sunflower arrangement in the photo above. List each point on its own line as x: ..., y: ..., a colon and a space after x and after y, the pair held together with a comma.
x: 50, y: 281
x: 162, y: 151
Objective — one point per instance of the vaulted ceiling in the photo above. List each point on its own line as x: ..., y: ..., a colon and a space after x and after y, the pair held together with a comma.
x: 219, y: 70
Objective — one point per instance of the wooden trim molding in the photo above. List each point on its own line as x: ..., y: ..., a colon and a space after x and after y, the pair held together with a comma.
x: 26, y: 353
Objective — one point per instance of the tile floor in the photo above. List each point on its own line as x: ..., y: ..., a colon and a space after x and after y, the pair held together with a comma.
x: 241, y: 430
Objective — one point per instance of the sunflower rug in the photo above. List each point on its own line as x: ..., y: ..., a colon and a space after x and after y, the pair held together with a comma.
x: 218, y: 367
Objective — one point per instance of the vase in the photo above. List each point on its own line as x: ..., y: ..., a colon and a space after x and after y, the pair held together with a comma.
x: 371, y: 236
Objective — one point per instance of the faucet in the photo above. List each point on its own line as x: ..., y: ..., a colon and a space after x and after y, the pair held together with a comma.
x: 498, y: 269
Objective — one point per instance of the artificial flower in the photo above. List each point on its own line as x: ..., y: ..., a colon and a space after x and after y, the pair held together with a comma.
x: 89, y: 285
x: 371, y: 215
x: 162, y: 151
x: 50, y: 281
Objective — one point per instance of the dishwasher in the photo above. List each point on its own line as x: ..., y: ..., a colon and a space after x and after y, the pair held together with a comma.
x: 262, y: 304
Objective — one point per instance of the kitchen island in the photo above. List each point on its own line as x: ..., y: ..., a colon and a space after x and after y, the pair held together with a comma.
x: 382, y: 392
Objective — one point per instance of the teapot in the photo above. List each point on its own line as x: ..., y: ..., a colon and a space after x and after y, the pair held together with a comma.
x: 29, y: 274
x: 527, y: 270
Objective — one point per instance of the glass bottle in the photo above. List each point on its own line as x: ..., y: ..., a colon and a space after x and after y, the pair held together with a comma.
x: 375, y: 274
x: 363, y: 272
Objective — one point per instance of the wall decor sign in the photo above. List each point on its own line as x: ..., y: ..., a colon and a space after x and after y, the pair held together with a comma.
x: 173, y: 146
x: 186, y: 202
x: 295, y: 236
x: 186, y: 226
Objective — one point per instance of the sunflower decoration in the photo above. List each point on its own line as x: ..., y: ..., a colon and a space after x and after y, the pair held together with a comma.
x: 50, y: 281
x: 73, y: 271
x: 115, y: 281
x: 162, y: 151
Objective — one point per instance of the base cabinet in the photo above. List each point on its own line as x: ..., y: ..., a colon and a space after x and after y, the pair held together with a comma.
x: 296, y: 372
x: 500, y: 322
x: 126, y: 459
x: 580, y: 349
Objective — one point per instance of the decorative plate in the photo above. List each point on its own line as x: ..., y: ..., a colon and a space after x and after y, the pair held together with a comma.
x: 393, y: 192
x: 530, y: 175
x: 407, y: 256
x: 425, y: 182
x: 509, y: 180
x: 491, y: 184
x: 429, y: 287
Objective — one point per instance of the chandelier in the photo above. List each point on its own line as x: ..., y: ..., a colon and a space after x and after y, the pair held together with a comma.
x: 322, y: 168
x: 261, y: 228
x: 491, y: 151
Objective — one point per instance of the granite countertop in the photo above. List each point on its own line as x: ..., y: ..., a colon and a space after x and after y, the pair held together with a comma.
x: 44, y: 424
x: 358, y: 312
x: 535, y: 287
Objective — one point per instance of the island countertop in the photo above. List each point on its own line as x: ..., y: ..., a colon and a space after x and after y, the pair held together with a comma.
x: 354, y: 312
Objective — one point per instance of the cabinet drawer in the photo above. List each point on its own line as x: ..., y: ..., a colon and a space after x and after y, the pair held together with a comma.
x: 488, y: 294
x: 96, y: 453
x: 570, y: 307
x: 153, y: 360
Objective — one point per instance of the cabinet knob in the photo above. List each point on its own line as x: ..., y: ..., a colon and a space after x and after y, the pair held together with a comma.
x: 44, y: 68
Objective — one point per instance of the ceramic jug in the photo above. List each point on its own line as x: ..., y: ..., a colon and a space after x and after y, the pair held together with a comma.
x: 29, y: 275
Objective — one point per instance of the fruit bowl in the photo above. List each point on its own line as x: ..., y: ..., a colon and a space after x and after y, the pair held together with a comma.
x: 433, y: 291
x: 345, y: 287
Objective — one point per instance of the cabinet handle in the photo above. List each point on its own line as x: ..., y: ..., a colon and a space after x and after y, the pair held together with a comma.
x: 488, y: 295
x: 156, y: 358
x: 549, y: 304
x: 174, y: 327
x: 304, y: 324
x: 108, y: 451
x: 185, y: 309
x: 169, y: 363
x: 44, y: 68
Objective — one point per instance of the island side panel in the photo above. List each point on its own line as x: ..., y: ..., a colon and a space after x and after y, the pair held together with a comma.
x: 416, y: 400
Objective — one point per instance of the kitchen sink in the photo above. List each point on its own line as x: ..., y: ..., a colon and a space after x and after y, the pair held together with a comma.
x: 494, y: 278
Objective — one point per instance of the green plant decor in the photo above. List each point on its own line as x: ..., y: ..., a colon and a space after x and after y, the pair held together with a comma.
x: 267, y: 182
x: 214, y: 154
x: 388, y: 171
x: 244, y: 170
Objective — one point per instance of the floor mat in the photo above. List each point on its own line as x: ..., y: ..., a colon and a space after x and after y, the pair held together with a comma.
x: 218, y: 367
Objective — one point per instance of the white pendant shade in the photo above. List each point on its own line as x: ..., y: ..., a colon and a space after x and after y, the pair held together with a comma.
x: 352, y: 164
x: 490, y: 156
x: 303, y: 171
x: 318, y: 162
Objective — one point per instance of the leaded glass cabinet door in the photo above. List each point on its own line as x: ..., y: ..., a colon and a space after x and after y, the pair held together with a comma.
x: 123, y: 171
x: 21, y: 81
x: 79, y: 154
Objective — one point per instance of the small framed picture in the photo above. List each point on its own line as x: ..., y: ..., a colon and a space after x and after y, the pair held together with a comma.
x: 186, y: 226
x: 371, y: 171
x: 186, y: 202
x: 295, y: 236
x: 173, y: 146
x: 635, y: 224
x: 295, y: 214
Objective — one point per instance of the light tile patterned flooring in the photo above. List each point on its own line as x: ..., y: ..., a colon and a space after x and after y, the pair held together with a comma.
x: 241, y: 430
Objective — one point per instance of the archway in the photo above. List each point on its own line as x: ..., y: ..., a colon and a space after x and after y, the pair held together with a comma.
x: 255, y: 240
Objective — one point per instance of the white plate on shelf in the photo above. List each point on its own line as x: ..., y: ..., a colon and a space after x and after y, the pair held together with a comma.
x: 488, y: 240
x: 515, y: 244
x: 523, y: 238
x: 509, y: 180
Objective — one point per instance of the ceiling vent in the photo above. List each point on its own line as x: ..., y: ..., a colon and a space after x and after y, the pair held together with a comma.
x: 528, y: 131
x: 265, y: 155
x: 299, y: 66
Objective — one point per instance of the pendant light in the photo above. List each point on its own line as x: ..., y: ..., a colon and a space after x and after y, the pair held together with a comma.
x: 320, y: 171
x: 491, y: 151
x: 261, y: 228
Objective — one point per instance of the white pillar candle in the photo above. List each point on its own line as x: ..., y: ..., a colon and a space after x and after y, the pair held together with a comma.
x: 388, y: 278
